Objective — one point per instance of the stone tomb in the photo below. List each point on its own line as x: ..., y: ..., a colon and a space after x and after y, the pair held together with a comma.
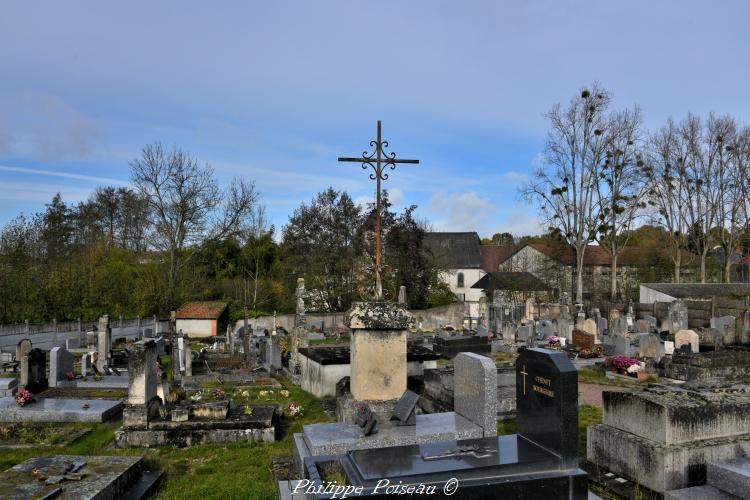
x: 688, y: 338
x: 669, y: 449
x: 449, y: 347
x: 474, y: 417
x: 146, y: 423
x: 583, y: 340
x: 712, y: 367
x: 60, y: 364
x: 71, y: 476
x: 539, y: 462
x: 59, y: 410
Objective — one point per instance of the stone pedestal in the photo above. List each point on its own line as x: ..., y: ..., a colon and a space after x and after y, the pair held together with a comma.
x: 378, y: 350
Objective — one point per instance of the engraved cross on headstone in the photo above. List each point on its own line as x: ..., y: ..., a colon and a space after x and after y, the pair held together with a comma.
x: 378, y: 160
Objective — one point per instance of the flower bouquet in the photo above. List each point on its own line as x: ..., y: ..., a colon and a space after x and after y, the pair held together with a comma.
x: 24, y: 397
x: 622, y: 364
x: 553, y: 341
x: 71, y: 375
x: 293, y: 410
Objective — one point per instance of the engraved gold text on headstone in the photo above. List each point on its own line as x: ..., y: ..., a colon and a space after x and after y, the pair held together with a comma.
x: 543, y: 386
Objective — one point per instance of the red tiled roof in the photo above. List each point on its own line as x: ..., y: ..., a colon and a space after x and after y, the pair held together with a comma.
x: 201, y: 310
x: 494, y: 255
x: 596, y: 255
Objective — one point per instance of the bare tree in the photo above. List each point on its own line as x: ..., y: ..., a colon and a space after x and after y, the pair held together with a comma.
x: 732, y: 214
x: 566, y: 186
x: 667, y: 187
x: 186, y: 206
x: 621, y: 187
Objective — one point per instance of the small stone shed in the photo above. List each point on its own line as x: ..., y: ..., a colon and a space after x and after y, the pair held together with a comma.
x: 202, y: 319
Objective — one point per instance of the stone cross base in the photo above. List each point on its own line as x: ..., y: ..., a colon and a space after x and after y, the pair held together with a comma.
x: 136, y: 416
x: 346, y: 409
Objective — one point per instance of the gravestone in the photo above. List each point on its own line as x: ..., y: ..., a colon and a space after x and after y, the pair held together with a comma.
x: 652, y: 322
x: 687, y: 337
x: 623, y: 346
x: 589, y: 326
x: 643, y: 326
x: 726, y: 327
x: 547, y: 402
x: 583, y: 340
x: 524, y: 332
x: 60, y: 364
x: 402, y: 295
x: 619, y: 326
x: 86, y: 364
x: 37, y: 371
x: 565, y: 329
x: 23, y: 348
x: 475, y: 390
x: 405, y: 411
x: 188, y: 353
x: 602, y: 325
x: 545, y: 329
x: 742, y: 329
x: 678, y: 316
x: 104, y: 343
x: 273, y: 357
x: 142, y: 402
x: 650, y: 346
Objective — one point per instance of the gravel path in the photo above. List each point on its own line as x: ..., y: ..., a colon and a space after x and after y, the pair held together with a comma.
x: 591, y: 394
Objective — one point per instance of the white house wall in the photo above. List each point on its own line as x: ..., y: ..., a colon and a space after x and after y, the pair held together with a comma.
x: 195, y: 327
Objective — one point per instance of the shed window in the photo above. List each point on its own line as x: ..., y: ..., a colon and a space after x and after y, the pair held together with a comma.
x: 460, y: 280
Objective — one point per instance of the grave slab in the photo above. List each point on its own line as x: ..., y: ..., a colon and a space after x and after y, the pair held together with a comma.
x: 59, y: 410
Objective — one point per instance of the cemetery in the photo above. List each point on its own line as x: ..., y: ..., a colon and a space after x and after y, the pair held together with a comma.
x: 269, y: 320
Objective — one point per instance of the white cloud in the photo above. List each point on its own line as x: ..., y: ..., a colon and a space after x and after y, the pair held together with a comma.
x: 66, y: 175
x: 460, y: 212
x: 41, y: 192
x: 518, y: 177
x: 396, y: 195
x: 40, y: 124
x: 520, y: 223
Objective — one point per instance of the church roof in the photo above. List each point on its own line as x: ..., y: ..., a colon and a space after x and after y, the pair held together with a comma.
x: 454, y: 250
x: 494, y: 255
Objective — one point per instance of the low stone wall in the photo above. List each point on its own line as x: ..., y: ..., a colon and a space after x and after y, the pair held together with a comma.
x: 452, y: 314
x: 714, y: 367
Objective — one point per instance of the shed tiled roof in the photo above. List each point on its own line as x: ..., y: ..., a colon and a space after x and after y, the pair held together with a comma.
x: 201, y: 310
x: 512, y: 281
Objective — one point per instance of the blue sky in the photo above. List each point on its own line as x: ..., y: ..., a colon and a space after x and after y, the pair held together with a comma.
x: 276, y: 91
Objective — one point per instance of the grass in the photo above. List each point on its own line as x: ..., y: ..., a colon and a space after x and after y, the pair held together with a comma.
x: 206, y: 471
x: 587, y: 415
x: 589, y: 376
x: 329, y: 340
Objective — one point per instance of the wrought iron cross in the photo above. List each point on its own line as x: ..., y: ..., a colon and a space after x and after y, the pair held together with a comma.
x: 378, y: 160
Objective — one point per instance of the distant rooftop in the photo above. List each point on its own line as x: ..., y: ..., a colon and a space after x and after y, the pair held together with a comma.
x: 454, y: 250
x: 201, y: 310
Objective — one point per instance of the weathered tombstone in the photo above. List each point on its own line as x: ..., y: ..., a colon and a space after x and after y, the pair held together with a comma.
x: 86, y: 363
x: 652, y: 322
x: 545, y: 328
x: 142, y: 403
x: 524, y: 332
x: 37, y: 378
x: 686, y: 337
x: 104, y: 343
x: 583, y: 340
x: 475, y: 390
x: 741, y: 330
x: 405, y: 411
x: 274, y: 352
x: 623, y: 346
x: 23, y: 348
x: 91, y: 339
x: 643, y: 326
x: 565, y: 329
x: 589, y: 326
x: 402, y: 295
x: 60, y: 364
x: 726, y: 327
x: 650, y: 346
x: 188, y: 353
x: 547, y: 402
x: 159, y: 342
x: 23, y: 371
x: 602, y: 325
x: 614, y: 317
x: 678, y: 316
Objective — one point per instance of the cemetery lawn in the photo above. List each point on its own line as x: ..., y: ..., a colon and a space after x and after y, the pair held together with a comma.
x: 207, y: 471
x: 587, y: 415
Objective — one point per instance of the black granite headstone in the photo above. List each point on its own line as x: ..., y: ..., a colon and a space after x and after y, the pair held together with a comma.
x: 405, y: 409
x: 547, y: 402
x: 37, y: 371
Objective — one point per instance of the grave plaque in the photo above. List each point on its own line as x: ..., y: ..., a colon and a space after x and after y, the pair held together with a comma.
x: 405, y: 410
x: 583, y: 340
x: 547, y: 402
